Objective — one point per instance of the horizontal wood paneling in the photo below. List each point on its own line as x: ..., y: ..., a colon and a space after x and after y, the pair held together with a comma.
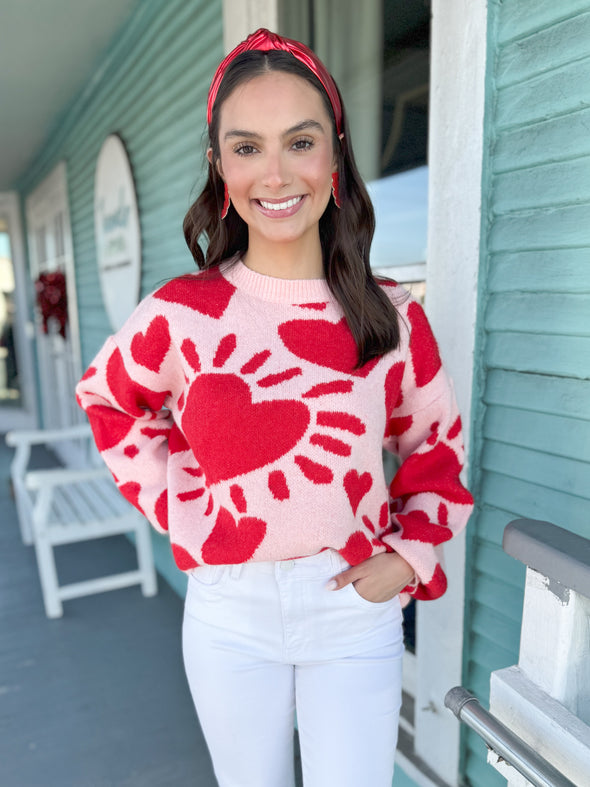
x: 565, y: 396
x: 479, y: 684
x: 540, y: 142
x: 487, y: 652
x: 525, y: 57
x: 562, y: 183
x: 554, y: 93
x: 556, y: 435
x: 490, y: 624
x: 534, y: 501
x: 544, y: 228
x: 504, y: 597
x: 551, y: 270
x: 554, y: 472
x: 491, y: 559
x: 567, y: 356
x: 536, y: 312
x: 532, y: 426
x: 518, y: 20
x: 492, y: 521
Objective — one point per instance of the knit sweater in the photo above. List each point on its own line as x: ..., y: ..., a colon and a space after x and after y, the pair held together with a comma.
x: 231, y: 415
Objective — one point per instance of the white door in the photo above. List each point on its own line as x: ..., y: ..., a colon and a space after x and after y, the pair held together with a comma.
x: 56, y: 325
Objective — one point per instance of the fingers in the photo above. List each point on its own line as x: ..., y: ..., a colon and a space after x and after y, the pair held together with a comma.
x: 344, y: 578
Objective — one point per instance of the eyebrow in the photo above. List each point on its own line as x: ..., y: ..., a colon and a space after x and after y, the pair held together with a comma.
x: 303, y: 126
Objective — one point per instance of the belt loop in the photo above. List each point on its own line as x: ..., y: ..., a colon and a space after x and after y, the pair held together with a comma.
x: 337, y: 561
x: 235, y: 570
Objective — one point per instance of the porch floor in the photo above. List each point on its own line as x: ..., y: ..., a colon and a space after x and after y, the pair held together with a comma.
x: 97, y: 698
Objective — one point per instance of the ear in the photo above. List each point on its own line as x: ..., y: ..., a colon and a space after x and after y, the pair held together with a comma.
x: 216, y: 164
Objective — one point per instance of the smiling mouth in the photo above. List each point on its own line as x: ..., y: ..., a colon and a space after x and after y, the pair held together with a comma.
x: 289, y: 203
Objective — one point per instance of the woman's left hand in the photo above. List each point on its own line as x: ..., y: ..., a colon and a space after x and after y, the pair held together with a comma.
x: 377, y: 579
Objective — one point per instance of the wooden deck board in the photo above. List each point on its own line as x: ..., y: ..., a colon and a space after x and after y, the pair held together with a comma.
x: 97, y: 698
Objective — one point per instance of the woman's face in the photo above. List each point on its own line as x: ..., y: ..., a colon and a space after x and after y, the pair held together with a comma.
x: 277, y: 157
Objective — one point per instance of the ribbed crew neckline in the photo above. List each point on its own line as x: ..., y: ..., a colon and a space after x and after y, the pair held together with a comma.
x: 270, y: 288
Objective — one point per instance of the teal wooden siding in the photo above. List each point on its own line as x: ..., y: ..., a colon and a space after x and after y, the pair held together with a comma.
x: 151, y: 88
x: 531, y: 454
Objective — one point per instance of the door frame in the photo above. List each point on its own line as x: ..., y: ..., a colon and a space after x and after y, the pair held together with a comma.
x: 47, y: 199
x: 25, y: 416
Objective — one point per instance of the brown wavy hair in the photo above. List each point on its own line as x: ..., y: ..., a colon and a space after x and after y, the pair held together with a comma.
x: 345, y: 233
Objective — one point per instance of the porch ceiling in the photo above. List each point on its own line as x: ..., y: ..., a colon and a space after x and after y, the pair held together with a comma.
x: 48, y: 51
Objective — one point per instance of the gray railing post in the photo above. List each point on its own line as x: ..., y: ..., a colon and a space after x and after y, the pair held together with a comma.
x: 540, y: 708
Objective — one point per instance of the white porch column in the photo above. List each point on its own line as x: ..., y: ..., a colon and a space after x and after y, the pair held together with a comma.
x: 455, y: 151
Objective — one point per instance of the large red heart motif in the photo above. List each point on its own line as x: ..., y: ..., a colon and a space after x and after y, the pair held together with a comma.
x: 328, y: 344
x: 230, y: 435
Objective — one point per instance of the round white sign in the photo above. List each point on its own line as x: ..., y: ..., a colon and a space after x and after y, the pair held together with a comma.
x: 117, y: 231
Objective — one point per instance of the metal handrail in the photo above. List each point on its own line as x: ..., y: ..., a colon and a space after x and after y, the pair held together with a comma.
x: 503, y: 741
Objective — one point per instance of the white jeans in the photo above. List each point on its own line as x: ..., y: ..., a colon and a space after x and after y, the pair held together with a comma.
x: 263, y: 640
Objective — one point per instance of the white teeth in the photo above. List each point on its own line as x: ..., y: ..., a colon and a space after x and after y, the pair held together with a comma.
x: 280, y: 205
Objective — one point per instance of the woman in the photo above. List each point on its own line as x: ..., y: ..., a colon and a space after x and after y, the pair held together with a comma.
x: 244, y: 409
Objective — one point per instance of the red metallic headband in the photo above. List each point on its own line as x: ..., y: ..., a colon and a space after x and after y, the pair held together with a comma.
x: 265, y: 41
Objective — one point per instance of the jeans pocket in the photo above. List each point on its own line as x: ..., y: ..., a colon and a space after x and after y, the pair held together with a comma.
x: 364, y: 602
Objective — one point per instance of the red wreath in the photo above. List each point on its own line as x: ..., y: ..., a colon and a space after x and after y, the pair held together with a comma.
x: 52, y: 299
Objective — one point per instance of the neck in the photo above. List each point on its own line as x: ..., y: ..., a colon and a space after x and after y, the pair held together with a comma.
x: 302, y: 260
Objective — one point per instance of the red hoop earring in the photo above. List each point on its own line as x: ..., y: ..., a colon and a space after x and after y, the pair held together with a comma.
x: 225, y: 208
x: 335, y: 190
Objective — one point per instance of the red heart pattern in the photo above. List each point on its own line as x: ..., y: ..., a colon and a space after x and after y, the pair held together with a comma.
x: 132, y: 397
x: 224, y: 429
x: 231, y: 543
x: 358, y: 548
x: 356, y: 487
x: 230, y: 435
x: 109, y: 426
x: 324, y: 343
x: 151, y: 348
x: 423, y: 347
x: 183, y: 559
x: 208, y: 294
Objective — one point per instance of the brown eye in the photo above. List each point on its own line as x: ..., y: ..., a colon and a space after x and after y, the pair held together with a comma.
x: 303, y: 144
x: 244, y: 150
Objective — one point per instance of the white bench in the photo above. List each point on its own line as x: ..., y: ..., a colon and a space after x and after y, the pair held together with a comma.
x: 62, y: 505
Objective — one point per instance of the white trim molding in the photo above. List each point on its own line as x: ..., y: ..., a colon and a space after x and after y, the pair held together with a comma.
x: 457, y: 93
x: 58, y: 358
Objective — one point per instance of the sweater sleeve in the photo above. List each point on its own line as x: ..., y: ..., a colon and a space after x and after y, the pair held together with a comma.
x: 125, y: 402
x: 428, y: 502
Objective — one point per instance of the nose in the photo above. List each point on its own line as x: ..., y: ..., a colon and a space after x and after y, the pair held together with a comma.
x: 276, y: 171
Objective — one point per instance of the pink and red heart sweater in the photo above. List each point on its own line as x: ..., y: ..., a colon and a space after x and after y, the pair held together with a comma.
x: 231, y: 415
